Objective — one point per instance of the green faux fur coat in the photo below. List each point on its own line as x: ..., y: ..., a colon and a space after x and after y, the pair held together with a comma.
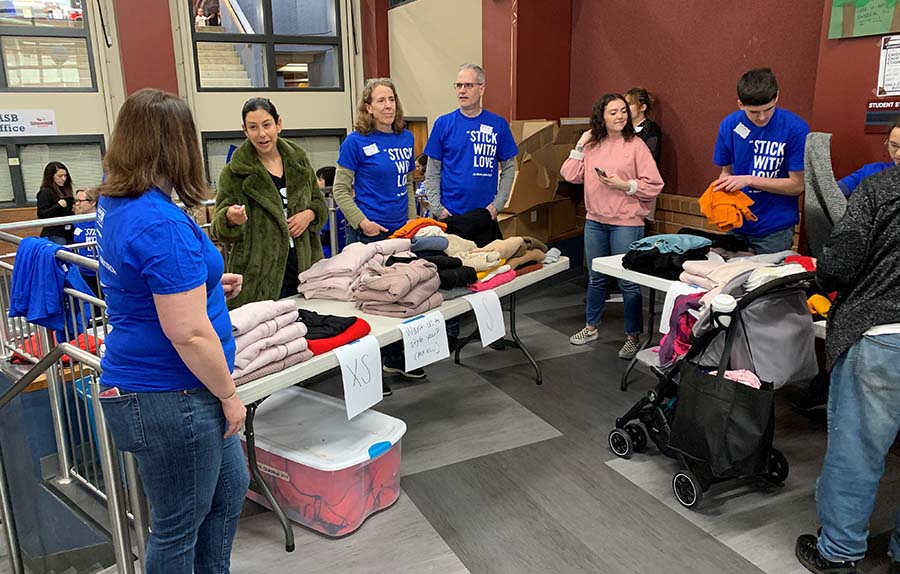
x: 259, y: 248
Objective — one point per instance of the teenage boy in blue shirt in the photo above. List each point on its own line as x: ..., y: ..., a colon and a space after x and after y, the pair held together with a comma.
x: 760, y: 150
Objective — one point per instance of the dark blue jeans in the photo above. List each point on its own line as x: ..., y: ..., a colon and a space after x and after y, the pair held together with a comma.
x: 775, y: 242
x: 601, y: 240
x: 194, y: 479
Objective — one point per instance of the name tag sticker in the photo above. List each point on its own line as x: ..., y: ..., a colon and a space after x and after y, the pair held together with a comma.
x: 486, y: 129
x: 742, y: 130
x: 370, y: 149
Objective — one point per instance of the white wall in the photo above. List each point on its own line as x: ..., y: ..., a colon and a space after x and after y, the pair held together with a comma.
x: 429, y: 39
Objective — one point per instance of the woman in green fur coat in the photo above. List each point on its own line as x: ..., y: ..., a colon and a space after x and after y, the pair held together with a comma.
x: 269, y: 209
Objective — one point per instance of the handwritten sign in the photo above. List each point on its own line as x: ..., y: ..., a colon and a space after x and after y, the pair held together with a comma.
x: 424, y: 340
x: 889, y: 67
x: 489, y: 315
x: 361, y: 370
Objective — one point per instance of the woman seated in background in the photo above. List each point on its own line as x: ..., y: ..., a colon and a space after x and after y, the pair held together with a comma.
x: 621, y: 181
x: 372, y: 183
x: 849, y: 184
x: 166, y: 387
x: 55, y: 199
x: 269, y: 209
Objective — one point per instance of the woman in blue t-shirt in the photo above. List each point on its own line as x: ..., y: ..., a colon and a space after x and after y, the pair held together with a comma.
x: 372, y: 184
x: 166, y: 386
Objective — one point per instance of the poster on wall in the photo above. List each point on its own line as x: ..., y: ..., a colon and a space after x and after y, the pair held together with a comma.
x: 852, y: 18
x: 881, y: 115
x: 889, y: 67
x: 27, y: 123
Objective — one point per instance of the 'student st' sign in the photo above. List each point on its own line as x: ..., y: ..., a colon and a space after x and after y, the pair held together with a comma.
x: 27, y: 123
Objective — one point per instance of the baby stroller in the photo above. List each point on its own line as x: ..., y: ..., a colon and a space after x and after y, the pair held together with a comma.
x: 717, y: 428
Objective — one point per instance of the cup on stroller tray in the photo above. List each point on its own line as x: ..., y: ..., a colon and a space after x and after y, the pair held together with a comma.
x: 723, y: 307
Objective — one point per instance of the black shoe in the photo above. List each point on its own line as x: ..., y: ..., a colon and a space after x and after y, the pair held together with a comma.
x: 498, y: 345
x: 808, y: 554
x: 386, y: 390
x: 413, y: 374
x: 811, y: 402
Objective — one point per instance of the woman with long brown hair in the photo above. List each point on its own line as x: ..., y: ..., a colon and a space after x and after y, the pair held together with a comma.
x: 55, y: 199
x: 166, y: 387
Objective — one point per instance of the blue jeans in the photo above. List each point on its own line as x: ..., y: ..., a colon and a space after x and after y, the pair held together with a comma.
x: 354, y: 235
x: 194, y: 479
x: 863, y: 420
x: 775, y: 242
x: 601, y: 240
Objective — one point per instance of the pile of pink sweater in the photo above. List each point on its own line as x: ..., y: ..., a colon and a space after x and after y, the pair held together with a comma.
x: 401, y: 290
x: 267, y: 339
x: 334, y: 278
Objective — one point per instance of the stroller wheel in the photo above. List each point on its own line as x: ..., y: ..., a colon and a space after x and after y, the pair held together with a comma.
x: 620, y: 442
x: 687, y: 488
x: 638, y: 436
x: 778, y: 467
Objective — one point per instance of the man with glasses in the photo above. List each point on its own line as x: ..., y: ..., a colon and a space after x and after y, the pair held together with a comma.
x: 471, y: 154
x: 892, y: 144
x: 760, y: 151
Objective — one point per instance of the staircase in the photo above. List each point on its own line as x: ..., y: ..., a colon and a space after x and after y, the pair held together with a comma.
x: 220, y: 66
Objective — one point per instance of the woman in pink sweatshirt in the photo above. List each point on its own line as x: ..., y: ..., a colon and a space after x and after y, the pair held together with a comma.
x: 620, y: 182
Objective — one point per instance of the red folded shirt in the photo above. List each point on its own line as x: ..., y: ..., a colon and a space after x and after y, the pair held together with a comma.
x: 355, y: 331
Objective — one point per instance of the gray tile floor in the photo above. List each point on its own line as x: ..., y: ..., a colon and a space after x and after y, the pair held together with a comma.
x: 503, y: 476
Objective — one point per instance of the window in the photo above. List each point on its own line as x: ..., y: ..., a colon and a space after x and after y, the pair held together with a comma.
x: 19, y: 183
x: 267, y: 44
x: 45, y: 46
x: 321, y: 146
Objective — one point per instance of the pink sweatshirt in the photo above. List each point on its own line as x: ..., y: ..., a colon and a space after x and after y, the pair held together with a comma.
x: 630, y: 160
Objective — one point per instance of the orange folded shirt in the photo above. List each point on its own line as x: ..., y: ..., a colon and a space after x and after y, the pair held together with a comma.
x: 726, y: 209
x: 408, y: 231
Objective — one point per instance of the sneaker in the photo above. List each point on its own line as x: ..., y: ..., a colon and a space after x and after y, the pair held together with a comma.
x: 413, y: 374
x: 630, y: 348
x: 584, y: 336
x: 808, y: 554
x: 386, y: 390
x: 810, y: 403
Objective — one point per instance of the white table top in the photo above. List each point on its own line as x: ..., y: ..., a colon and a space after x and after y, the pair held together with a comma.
x: 612, y: 266
x: 383, y: 328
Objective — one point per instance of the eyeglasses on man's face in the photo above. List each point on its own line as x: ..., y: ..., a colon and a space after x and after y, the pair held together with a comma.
x: 892, y: 147
x: 82, y: 201
x: 467, y: 85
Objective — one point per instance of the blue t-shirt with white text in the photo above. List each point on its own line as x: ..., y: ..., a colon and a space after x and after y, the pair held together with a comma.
x: 470, y: 151
x: 147, y: 246
x: 85, y: 232
x: 769, y: 151
x: 381, y: 162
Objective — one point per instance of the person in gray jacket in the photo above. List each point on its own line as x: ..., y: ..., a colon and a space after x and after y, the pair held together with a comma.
x: 861, y: 260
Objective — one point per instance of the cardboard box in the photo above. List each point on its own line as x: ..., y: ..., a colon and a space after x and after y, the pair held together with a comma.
x: 534, y: 222
x: 532, y: 186
x: 532, y: 135
x: 562, y: 217
x: 570, y: 130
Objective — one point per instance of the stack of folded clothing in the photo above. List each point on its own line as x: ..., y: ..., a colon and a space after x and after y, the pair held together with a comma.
x: 475, y: 225
x: 401, y: 290
x: 327, y: 332
x: 463, y: 249
x: 333, y: 278
x: 267, y: 339
x: 663, y: 255
x: 412, y: 226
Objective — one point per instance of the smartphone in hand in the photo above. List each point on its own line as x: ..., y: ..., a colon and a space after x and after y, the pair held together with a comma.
x: 600, y: 172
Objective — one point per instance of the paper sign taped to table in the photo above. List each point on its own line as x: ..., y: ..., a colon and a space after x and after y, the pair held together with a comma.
x: 361, y: 370
x: 424, y: 340
x: 489, y: 315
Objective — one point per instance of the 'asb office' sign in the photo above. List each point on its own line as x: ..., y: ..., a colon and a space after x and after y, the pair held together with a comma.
x: 27, y: 123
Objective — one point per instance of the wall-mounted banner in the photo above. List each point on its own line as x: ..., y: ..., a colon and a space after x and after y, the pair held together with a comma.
x: 27, y: 123
x: 851, y: 18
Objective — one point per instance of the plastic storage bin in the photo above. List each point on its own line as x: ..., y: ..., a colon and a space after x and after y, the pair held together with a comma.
x: 327, y: 473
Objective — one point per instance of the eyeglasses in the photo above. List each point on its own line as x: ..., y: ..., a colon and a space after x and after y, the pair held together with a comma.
x: 892, y: 147
x: 467, y: 85
x: 82, y: 201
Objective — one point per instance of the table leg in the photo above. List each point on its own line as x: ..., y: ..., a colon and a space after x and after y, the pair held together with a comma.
x: 651, y: 320
x: 516, y: 341
x: 257, y: 483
